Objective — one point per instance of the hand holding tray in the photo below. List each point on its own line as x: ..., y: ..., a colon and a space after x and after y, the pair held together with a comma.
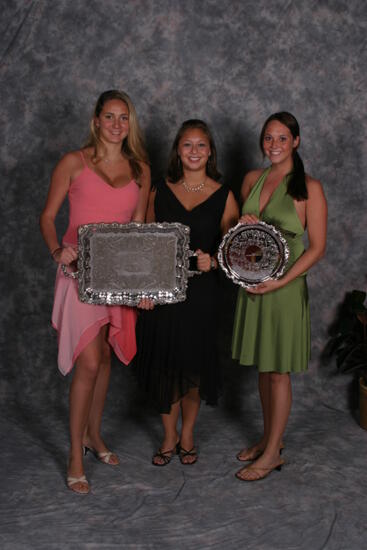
x: 119, y: 264
x: 250, y: 254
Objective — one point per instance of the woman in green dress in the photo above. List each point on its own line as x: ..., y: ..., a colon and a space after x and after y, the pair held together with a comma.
x: 271, y: 327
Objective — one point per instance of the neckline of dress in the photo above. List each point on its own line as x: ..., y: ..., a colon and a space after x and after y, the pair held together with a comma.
x: 264, y: 175
x: 197, y: 205
x: 86, y: 167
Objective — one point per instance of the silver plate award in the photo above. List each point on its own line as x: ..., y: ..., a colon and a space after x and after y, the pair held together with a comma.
x: 250, y: 254
x: 119, y: 264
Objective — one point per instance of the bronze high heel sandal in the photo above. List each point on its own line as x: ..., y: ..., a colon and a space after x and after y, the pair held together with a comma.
x: 258, y: 472
x: 255, y: 455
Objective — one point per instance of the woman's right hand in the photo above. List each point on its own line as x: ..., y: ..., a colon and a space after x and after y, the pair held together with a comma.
x: 65, y: 255
x: 145, y: 303
x: 248, y: 219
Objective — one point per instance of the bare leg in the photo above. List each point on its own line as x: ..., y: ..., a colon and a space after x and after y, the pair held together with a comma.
x: 280, y: 406
x: 265, y: 398
x: 92, y: 435
x: 190, y: 405
x: 80, y: 399
x: 281, y: 403
x: 170, y: 433
x: 255, y: 451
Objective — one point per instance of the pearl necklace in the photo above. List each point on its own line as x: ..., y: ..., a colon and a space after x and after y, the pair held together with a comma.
x: 194, y: 188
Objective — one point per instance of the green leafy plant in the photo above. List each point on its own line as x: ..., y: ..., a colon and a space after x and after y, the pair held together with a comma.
x: 348, y: 335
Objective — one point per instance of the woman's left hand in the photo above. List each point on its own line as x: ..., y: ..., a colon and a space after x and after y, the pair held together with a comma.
x: 266, y: 286
x: 146, y: 303
x: 203, y: 260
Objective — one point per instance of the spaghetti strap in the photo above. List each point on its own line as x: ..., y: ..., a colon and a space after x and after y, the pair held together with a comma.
x: 83, y: 158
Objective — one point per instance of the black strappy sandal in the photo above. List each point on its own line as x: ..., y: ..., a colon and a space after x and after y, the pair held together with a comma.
x: 166, y: 456
x: 192, y: 452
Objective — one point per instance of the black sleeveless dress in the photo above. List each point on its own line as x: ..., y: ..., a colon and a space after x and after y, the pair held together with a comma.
x: 177, y: 342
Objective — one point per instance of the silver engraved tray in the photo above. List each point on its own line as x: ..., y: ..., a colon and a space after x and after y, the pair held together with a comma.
x: 119, y: 264
x: 250, y: 254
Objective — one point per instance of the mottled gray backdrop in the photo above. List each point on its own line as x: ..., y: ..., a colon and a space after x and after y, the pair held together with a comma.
x: 230, y: 62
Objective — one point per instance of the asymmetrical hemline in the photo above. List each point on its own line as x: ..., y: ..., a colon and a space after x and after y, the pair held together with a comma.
x: 78, y: 323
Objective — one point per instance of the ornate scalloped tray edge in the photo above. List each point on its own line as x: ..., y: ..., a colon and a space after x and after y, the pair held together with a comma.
x: 250, y: 254
x: 119, y: 264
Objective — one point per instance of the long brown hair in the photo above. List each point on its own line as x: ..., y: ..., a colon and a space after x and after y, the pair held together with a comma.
x: 175, y: 169
x: 297, y: 178
x: 133, y: 147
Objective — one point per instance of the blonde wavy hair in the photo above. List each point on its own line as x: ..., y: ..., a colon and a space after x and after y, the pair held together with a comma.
x: 133, y: 147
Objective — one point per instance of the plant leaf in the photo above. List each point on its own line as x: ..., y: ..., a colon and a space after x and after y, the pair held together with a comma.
x: 355, y: 359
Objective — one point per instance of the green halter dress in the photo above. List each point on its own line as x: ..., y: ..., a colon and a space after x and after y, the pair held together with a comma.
x: 272, y: 331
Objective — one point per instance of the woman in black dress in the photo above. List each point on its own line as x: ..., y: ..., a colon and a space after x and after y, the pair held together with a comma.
x: 177, y: 360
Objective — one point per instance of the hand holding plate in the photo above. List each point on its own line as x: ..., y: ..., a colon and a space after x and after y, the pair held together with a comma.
x: 203, y: 260
x: 252, y: 253
x: 265, y: 287
x: 248, y: 218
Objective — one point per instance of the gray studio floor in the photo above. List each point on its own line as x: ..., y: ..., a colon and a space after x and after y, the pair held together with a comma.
x: 318, y: 501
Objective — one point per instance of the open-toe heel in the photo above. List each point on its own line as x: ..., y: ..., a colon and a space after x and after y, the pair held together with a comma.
x: 72, y: 483
x: 184, y: 453
x: 104, y: 457
x: 256, y: 474
x: 253, y: 456
x: 165, y: 456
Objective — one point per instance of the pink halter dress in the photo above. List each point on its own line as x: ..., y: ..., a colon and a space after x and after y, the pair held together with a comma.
x: 92, y: 200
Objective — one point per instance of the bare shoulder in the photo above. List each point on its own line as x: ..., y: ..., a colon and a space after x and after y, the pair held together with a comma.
x: 68, y: 167
x: 251, y: 177
x: 314, y: 187
x: 70, y: 162
x: 248, y: 182
x: 145, y: 167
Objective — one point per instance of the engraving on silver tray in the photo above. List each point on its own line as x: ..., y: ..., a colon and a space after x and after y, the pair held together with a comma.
x: 250, y: 254
x: 119, y: 264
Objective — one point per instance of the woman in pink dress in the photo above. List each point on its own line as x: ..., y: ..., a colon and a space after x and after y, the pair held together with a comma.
x: 107, y: 181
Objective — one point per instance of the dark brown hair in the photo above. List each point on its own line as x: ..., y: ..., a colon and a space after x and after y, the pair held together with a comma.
x: 297, y: 181
x: 175, y: 170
